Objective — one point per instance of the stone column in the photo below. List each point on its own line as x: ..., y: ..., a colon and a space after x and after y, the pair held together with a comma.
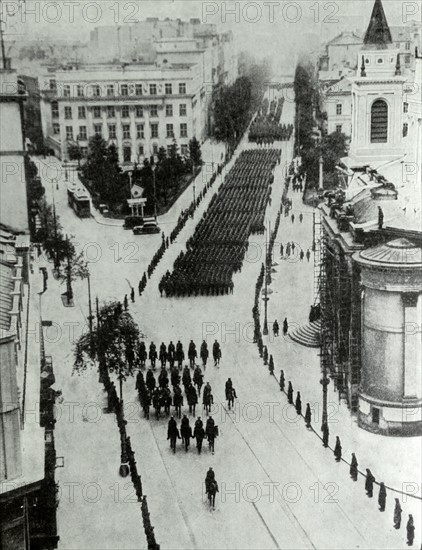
x: 412, y: 344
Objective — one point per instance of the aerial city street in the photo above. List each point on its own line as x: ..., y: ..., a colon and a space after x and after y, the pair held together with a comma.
x: 211, y: 278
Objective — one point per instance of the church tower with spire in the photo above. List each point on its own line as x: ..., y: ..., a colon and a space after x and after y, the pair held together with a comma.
x: 377, y: 97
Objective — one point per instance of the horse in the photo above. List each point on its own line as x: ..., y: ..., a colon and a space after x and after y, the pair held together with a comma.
x: 212, y: 489
x: 204, y: 357
x: 211, y: 433
x: 230, y: 396
x: 173, y: 434
x: 217, y: 356
x: 208, y: 400
x: 192, y: 399
x: 177, y: 403
x: 199, y: 434
x: 186, y: 433
x: 166, y: 402
x: 150, y: 381
x: 157, y: 403
x: 146, y: 403
x: 142, y: 354
x: 198, y: 380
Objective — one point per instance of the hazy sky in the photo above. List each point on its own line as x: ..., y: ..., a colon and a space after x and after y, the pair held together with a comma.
x: 275, y: 28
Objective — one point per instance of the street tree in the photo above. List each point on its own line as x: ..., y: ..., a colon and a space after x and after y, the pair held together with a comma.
x: 113, y: 343
x: 195, y: 154
x: 76, y: 268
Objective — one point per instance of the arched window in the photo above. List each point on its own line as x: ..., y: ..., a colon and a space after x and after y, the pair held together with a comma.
x: 379, y: 121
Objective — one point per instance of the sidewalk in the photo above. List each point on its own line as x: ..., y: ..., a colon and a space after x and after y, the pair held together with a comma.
x: 395, y: 461
x: 97, y: 508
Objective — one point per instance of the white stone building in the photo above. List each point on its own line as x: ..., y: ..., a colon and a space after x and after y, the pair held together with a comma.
x: 137, y: 107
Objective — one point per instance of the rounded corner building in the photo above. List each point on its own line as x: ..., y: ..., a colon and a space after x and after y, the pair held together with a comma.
x: 390, y: 391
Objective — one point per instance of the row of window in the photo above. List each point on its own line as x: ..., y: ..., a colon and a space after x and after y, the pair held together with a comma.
x: 95, y: 90
x: 111, y: 111
x: 126, y: 131
x: 127, y: 151
x: 339, y: 108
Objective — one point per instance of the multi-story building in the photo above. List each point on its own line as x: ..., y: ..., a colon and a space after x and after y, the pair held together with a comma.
x: 12, y: 147
x: 139, y: 108
x: 371, y: 255
x: 336, y: 102
x: 340, y: 56
x: 27, y: 454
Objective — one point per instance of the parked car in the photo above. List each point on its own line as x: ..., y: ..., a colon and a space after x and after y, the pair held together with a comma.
x: 148, y: 227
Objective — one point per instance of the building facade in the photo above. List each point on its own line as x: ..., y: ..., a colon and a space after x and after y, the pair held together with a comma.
x: 377, y: 96
x: 27, y: 454
x: 12, y: 148
x: 337, y: 104
x: 139, y: 108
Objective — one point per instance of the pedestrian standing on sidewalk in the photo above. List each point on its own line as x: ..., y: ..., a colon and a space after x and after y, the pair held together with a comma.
x: 298, y: 404
x: 337, y: 449
x: 285, y: 326
x: 293, y: 218
x: 354, y: 468
x: 410, y: 528
x: 369, y: 483
x: 397, y: 514
x: 290, y: 393
x: 308, y: 415
x: 301, y: 218
x: 282, y: 381
x: 132, y: 294
x: 382, y: 497
x: 125, y: 302
x: 308, y: 254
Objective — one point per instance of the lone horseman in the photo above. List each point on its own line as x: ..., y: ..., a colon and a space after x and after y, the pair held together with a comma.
x: 211, y: 431
x: 152, y: 354
x: 192, y: 354
x: 178, y: 400
x: 170, y: 354
x: 230, y: 397
x: 199, y: 434
x: 198, y: 379
x: 163, y: 354
x: 150, y: 381
x: 204, y: 354
x: 142, y: 354
x: 186, y: 432
x: 173, y: 433
x: 216, y: 352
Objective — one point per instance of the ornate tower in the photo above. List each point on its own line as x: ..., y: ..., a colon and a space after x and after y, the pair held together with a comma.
x: 377, y: 97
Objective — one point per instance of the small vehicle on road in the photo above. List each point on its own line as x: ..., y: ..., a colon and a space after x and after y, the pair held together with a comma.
x: 149, y: 226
